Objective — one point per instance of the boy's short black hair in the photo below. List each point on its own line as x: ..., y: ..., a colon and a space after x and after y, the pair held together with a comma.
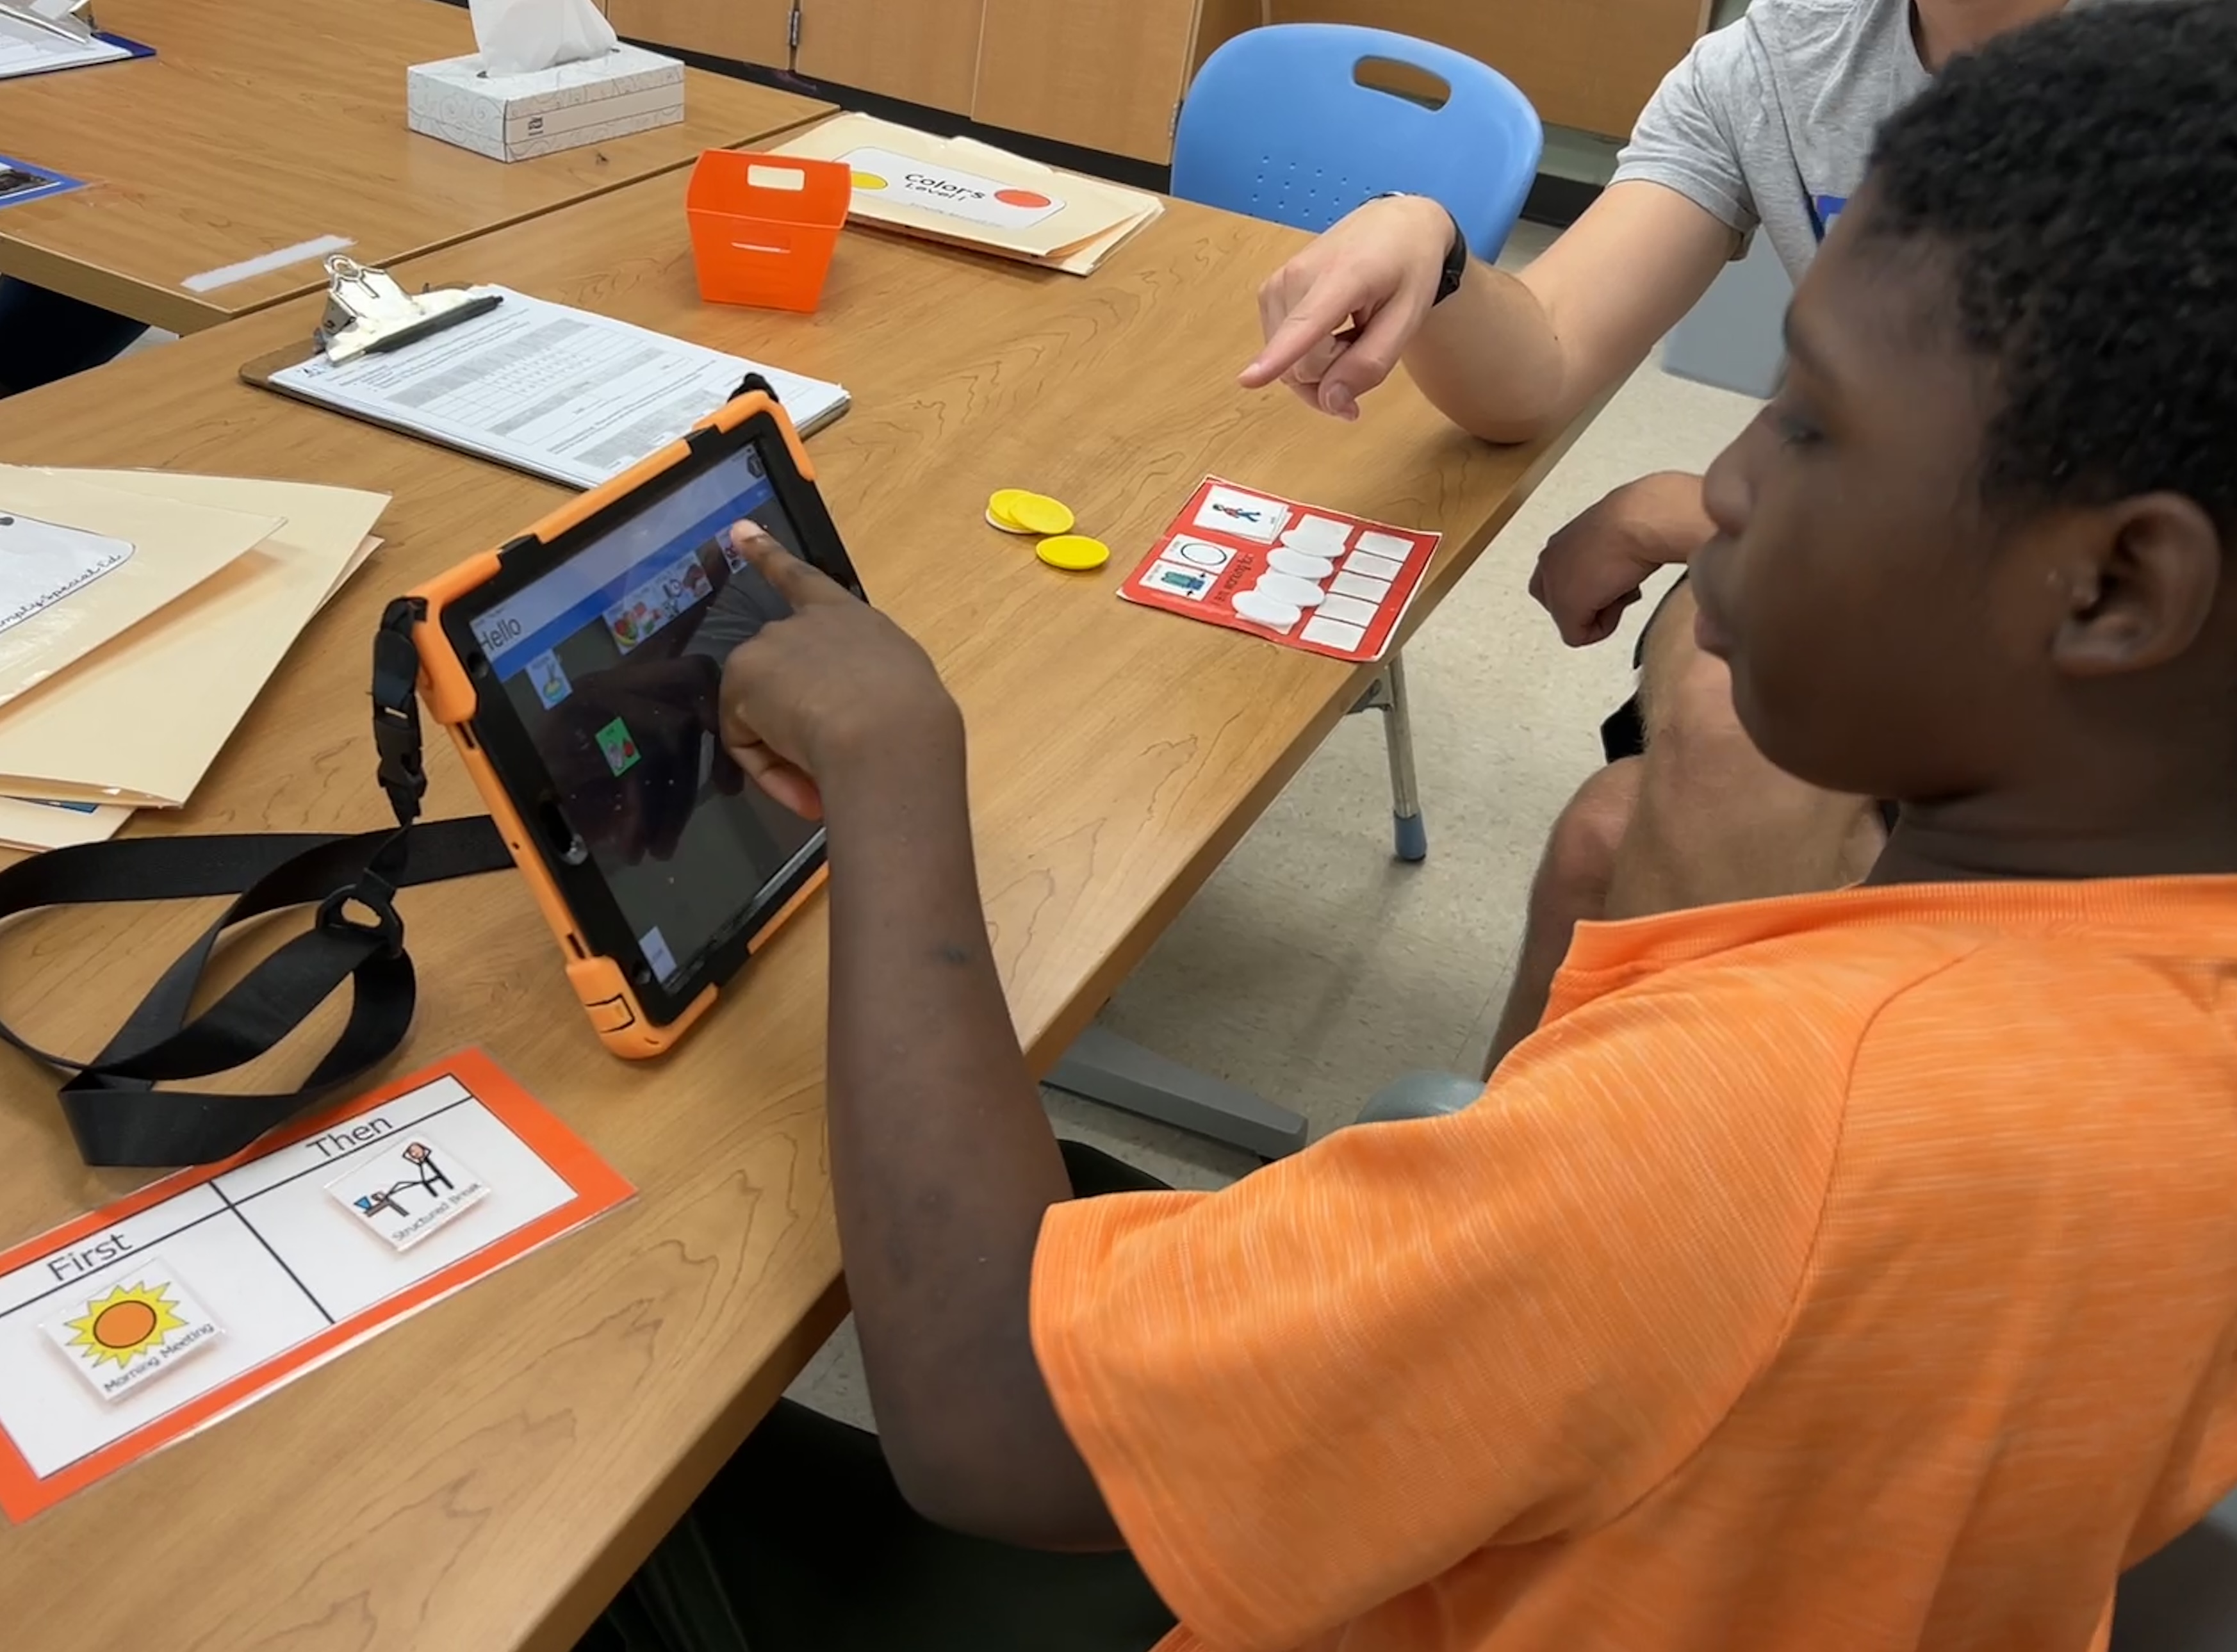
x: 2079, y: 176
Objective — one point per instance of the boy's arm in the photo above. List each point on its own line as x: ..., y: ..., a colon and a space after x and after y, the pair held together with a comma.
x: 942, y: 1161
x: 1593, y: 567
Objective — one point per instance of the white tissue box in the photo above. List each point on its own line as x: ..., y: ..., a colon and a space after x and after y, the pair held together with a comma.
x: 517, y: 117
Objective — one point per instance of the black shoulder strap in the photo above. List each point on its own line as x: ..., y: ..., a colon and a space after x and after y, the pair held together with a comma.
x: 116, y: 1111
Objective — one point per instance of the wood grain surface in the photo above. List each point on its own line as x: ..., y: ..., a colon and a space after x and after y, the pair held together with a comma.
x: 924, y: 52
x: 485, y: 1475
x: 1105, y: 73
x: 262, y: 125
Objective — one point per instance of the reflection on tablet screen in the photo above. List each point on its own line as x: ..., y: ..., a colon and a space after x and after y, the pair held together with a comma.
x: 614, y: 662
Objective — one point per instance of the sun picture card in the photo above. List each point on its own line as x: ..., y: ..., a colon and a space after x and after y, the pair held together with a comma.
x: 1305, y: 576
x: 260, y: 1246
x: 133, y: 1328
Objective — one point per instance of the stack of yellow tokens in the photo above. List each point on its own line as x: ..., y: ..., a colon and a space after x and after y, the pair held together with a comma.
x: 1015, y: 511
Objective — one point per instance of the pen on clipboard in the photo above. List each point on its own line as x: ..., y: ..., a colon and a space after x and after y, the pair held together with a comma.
x: 369, y: 313
x: 428, y: 327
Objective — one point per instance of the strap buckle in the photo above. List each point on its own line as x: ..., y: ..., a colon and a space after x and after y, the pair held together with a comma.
x: 403, y: 769
x: 377, y: 896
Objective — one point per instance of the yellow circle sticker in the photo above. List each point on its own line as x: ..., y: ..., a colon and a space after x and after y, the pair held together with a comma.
x: 869, y: 180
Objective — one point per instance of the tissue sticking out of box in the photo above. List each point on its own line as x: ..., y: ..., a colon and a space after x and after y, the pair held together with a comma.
x: 517, y: 117
x: 520, y: 36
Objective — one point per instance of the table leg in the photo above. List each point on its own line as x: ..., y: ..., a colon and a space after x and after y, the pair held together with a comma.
x: 1119, y: 1073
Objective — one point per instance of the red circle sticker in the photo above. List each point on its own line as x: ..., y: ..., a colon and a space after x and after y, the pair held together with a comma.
x: 1021, y: 198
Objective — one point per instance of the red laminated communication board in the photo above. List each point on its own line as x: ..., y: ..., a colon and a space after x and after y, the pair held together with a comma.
x: 1310, y: 578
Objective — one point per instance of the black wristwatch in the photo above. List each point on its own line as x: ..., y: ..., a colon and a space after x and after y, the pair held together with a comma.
x: 1456, y: 254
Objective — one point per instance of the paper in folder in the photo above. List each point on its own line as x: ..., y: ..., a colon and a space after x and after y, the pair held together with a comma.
x: 81, y: 564
x: 970, y: 194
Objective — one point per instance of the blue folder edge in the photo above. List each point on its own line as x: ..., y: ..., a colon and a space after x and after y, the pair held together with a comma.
x: 55, y: 184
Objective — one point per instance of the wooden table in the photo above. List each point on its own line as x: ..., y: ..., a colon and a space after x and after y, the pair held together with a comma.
x: 486, y: 1474
x: 261, y: 125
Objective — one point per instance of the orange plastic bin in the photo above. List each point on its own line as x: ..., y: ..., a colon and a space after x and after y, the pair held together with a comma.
x: 764, y: 226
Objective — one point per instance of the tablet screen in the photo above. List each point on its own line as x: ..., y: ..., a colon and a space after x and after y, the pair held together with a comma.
x: 613, y: 662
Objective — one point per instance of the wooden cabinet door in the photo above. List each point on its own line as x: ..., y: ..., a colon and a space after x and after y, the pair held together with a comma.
x: 1107, y: 73
x: 746, y: 31
x: 925, y: 51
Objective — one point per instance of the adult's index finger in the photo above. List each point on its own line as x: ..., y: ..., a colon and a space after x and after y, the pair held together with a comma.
x: 1322, y: 313
x: 794, y: 580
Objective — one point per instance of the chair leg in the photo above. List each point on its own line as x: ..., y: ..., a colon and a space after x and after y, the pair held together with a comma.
x: 1387, y: 694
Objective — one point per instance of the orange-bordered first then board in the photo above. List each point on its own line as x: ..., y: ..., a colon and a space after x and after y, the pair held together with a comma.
x: 170, y: 1310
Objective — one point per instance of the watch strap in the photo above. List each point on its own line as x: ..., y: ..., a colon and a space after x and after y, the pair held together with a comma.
x: 1457, y: 253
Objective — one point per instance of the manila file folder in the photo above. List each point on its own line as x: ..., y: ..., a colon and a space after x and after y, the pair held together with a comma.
x: 81, y: 564
x: 140, y: 721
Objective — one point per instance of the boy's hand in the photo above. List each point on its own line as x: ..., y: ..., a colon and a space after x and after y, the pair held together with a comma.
x: 1339, y: 314
x: 1591, y: 571
x: 664, y: 707
x: 834, y: 686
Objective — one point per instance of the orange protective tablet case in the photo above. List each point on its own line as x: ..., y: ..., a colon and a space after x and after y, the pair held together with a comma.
x: 448, y: 693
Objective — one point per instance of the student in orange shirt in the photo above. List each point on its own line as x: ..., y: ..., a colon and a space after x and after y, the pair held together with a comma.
x: 1848, y: 1271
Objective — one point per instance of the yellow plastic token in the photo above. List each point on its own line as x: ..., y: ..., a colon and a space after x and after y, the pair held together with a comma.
x: 1075, y: 553
x: 1029, y: 512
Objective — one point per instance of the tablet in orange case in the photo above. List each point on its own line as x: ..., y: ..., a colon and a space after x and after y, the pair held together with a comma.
x: 632, y: 1015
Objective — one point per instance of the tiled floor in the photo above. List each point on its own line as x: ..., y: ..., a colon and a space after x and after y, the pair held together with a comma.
x: 1313, y: 967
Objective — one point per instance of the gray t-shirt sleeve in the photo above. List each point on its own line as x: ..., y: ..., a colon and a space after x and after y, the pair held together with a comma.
x: 1689, y: 137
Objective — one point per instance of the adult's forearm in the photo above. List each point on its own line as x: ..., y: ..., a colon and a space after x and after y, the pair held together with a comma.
x: 1490, y: 361
x: 943, y: 1162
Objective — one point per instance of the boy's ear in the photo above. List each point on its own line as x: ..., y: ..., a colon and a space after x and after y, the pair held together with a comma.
x: 2137, y: 581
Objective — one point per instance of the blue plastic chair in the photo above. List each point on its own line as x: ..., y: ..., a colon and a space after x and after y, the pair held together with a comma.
x: 1278, y: 125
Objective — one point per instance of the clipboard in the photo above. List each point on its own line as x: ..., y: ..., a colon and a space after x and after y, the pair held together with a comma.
x: 624, y: 390
x: 73, y: 23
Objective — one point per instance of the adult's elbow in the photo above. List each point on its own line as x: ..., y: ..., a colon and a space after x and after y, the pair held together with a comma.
x: 1507, y: 420
x: 1508, y: 431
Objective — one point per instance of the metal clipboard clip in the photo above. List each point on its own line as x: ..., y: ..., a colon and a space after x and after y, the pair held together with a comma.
x: 368, y: 313
x: 71, y: 19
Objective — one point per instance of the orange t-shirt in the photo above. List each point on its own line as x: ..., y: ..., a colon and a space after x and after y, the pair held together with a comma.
x: 1855, y: 1270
